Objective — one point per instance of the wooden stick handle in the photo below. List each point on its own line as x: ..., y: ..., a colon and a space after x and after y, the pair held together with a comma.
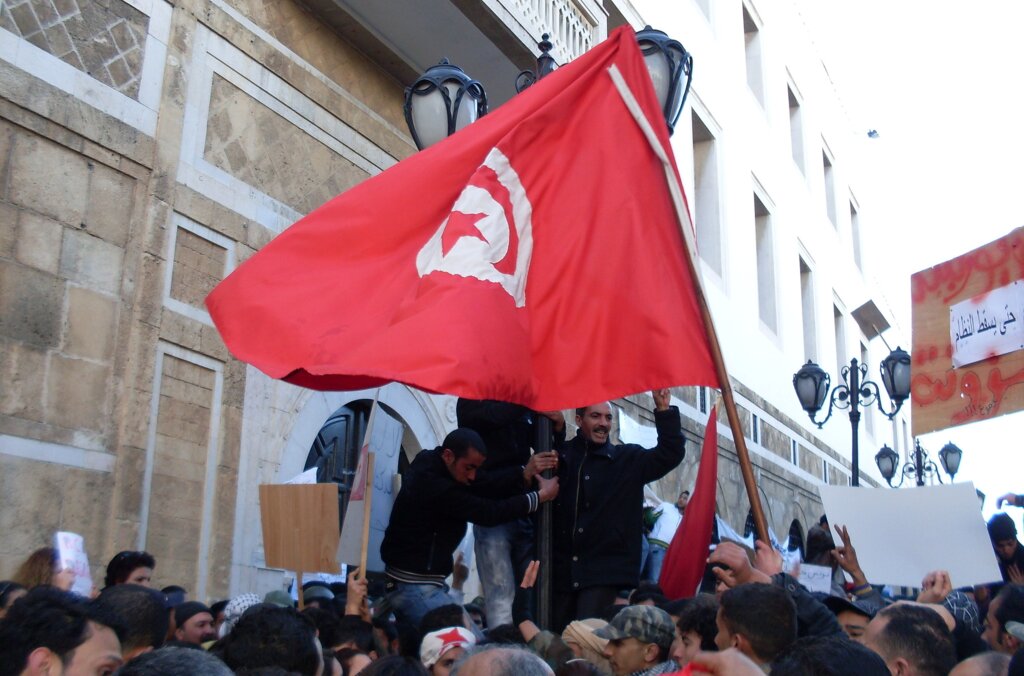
x: 298, y: 583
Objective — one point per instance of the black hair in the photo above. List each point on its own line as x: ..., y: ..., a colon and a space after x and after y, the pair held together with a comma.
x: 140, y: 610
x: 460, y: 440
x: 218, y: 608
x: 327, y: 625
x: 122, y: 565
x: 269, y: 636
x: 698, y: 616
x: 828, y: 656
x: 47, y: 617
x: 505, y: 634
x: 639, y: 596
x: 762, y: 613
x: 174, y: 589
x: 174, y: 661
x: 448, y: 615
x: 355, y: 630
x: 919, y: 636
x: 7, y: 588
x: 395, y: 665
x: 674, y: 607
x: 474, y: 608
x: 1011, y: 605
x: 344, y: 657
x: 579, y: 668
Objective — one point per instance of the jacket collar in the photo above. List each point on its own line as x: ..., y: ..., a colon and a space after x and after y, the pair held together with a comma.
x: 606, y: 449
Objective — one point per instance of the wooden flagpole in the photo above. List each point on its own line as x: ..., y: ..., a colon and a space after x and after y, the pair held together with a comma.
x: 709, y: 326
x: 367, y: 505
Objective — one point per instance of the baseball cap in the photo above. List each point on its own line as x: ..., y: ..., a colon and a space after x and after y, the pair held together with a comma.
x: 647, y: 624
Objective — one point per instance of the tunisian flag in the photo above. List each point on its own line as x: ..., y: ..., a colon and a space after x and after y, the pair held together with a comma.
x: 535, y: 257
x: 687, y: 554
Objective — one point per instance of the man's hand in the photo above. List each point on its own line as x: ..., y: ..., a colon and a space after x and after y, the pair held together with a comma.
x: 460, y: 572
x: 737, y: 569
x: 556, y: 418
x: 1009, y: 498
x: 548, y: 488
x: 935, y: 587
x: 767, y: 559
x: 530, y: 576
x: 846, y: 557
x: 1015, y: 573
x: 661, y: 399
x: 538, y: 463
x: 355, y: 595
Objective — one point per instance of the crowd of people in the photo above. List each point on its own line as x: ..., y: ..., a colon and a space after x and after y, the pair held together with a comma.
x: 748, y: 617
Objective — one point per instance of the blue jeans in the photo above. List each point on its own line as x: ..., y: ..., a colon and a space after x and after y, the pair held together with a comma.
x: 502, y: 554
x: 655, y: 558
x: 410, y: 602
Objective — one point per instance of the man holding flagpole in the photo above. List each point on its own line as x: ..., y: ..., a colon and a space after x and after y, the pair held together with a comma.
x: 598, y: 513
x: 440, y: 494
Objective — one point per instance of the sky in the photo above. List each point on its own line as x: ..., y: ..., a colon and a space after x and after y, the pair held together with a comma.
x: 945, y: 174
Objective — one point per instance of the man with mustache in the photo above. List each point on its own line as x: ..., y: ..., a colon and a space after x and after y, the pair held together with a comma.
x: 598, y: 511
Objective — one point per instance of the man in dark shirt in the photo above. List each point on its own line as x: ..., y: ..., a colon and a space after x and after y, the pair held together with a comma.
x: 598, y: 521
x: 504, y: 551
x: 440, y: 494
x: 1009, y: 552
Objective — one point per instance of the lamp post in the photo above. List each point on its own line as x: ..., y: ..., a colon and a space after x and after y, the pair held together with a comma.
x: 919, y: 465
x: 445, y: 99
x: 811, y: 383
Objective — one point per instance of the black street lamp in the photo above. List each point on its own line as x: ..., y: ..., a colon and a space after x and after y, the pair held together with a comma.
x: 811, y: 383
x: 444, y: 99
x: 919, y: 466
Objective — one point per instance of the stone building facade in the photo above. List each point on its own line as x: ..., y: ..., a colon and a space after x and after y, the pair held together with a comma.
x: 147, y: 147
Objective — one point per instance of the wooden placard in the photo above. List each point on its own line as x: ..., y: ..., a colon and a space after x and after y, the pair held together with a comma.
x: 300, y: 526
x: 943, y: 396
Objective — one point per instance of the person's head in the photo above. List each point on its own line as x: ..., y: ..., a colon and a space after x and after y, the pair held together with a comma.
x: 1003, y: 533
x: 832, y: 655
x: 684, y: 498
x: 476, y: 613
x: 500, y: 660
x: 463, y: 451
x: 194, y: 623
x: 595, y: 422
x: 579, y: 636
x: 50, y: 631
x: 350, y: 661
x: 990, y: 663
x: 448, y: 615
x: 852, y: 617
x: 820, y: 544
x: 131, y: 568
x: 396, y: 665
x: 39, y: 568
x: 1007, y: 606
x: 439, y: 649
x: 757, y: 619
x: 317, y: 596
x: 354, y: 632
x: 327, y: 627
x: 142, y: 613
x: 234, y: 610
x: 173, y: 661
x: 217, y: 610
x: 267, y: 636
x: 911, y: 639
x: 639, y: 637
x: 10, y: 591
x: 696, y: 628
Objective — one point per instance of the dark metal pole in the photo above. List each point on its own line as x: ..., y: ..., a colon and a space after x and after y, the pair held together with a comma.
x: 542, y: 424
x: 855, y: 418
x: 919, y: 462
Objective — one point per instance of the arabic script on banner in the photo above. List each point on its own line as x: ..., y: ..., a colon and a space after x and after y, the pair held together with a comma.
x: 987, y: 325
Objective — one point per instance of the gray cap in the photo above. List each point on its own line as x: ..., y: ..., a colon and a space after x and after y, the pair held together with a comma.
x: 280, y: 598
x: 647, y: 624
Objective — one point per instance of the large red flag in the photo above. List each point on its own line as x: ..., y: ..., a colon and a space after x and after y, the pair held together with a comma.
x: 535, y: 257
x: 687, y: 554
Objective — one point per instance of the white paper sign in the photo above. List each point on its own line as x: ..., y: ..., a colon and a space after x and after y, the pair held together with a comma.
x: 71, y: 555
x: 987, y: 325
x: 901, y: 535
x: 816, y: 578
x: 634, y: 432
x: 307, y: 477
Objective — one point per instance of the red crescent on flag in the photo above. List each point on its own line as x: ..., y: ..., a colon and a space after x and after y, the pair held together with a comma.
x: 487, y: 179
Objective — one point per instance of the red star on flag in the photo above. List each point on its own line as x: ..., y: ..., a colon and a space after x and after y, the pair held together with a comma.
x: 460, y: 225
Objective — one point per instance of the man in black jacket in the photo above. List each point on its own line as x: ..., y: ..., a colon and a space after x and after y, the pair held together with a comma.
x: 504, y: 551
x: 440, y: 494
x: 598, y: 512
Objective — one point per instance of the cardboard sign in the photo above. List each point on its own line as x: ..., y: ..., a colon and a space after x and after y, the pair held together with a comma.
x: 978, y: 335
x: 300, y: 526
x: 902, y: 535
x: 71, y: 555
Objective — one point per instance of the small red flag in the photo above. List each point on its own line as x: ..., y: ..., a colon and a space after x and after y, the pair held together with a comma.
x: 535, y: 257
x: 687, y: 554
